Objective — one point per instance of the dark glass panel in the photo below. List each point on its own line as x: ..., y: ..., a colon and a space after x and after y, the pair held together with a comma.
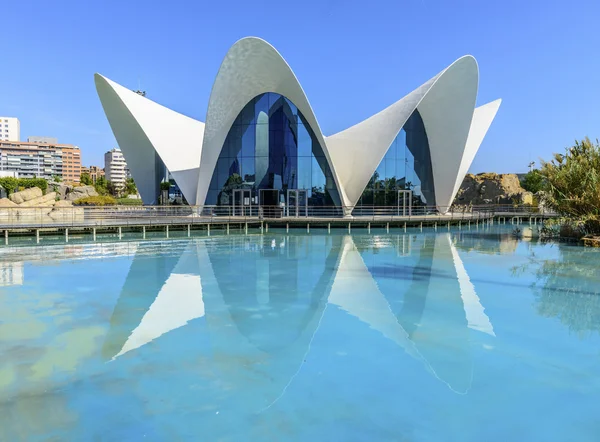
x: 247, y: 114
x: 234, y: 142
x: 248, y: 141
x: 379, y: 198
x: 261, y: 104
x: 248, y: 171
x: 304, y: 172
x: 304, y: 142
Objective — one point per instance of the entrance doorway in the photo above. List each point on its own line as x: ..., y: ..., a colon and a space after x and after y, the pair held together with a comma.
x: 405, y: 202
x: 297, y: 203
x: 269, y: 203
x: 242, y: 202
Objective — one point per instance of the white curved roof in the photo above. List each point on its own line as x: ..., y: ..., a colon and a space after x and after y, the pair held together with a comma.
x: 190, y: 149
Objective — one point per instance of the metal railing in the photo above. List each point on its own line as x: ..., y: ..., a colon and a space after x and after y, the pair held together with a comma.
x: 81, y: 216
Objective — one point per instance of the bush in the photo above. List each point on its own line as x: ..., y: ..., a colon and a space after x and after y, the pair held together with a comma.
x: 11, y: 184
x: 533, y: 181
x: 101, y: 200
x: 129, y: 202
x: 573, y: 181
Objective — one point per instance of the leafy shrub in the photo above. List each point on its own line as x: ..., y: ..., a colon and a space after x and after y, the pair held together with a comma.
x: 573, y: 180
x: 533, y: 181
x: 100, y: 200
x: 11, y: 184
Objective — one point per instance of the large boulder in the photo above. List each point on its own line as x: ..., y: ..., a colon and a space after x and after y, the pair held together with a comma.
x: 492, y: 188
x: 46, y: 200
x: 5, y: 202
x: 25, y: 195
x: 61, y: 189
x: 81, y: 192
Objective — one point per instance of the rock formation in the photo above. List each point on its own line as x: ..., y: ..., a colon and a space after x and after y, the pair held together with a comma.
x: 25, y: 195
x: 492, y: 188
x: 72, y: 193
x: 30, y: 206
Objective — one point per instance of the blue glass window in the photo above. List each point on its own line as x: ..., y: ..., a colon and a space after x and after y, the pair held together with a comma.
x: 271, y: 147
x: 406, y: 165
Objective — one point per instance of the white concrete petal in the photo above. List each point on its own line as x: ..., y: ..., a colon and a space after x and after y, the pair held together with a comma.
x: 251, y: 67
x: 357, y: 151
x: 482, y: 120
x: 143, y: 127
x: 446, y: 104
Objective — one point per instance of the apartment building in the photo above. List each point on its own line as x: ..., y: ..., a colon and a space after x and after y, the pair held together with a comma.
x: 94, y: 172
x: 115, y: 168
x: 71, y: 164
x: 10, y: 129
x: 41, y: 160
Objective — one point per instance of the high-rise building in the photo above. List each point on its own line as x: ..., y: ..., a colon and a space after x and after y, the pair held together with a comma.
x: 10, y: 129
x: 71, y: 164
x: 41, y: 160
x: 115, y: 168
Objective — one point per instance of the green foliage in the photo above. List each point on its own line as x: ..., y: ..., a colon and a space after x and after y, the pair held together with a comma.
x: 57, y: 179
x: 11, y: 184
x: 101, y: 200
x: 533, y: 181
x: 129, y: 201
x: 130, y: 187
x: 101, y: 185
x: 112, y: 188
x: 85, y: 179
x: 573, y: 180
x: 165, y: 185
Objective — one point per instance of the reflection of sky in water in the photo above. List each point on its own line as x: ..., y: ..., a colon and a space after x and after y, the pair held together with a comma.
x: 433, y: 336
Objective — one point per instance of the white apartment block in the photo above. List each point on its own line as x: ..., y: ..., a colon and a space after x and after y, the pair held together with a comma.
x: 10, y: 129
x: 115, y: 167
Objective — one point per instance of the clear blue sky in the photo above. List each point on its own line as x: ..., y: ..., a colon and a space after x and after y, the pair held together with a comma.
x: 353, y: 58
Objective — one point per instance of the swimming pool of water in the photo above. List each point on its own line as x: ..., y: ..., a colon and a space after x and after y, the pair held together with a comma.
x: 433, y: 336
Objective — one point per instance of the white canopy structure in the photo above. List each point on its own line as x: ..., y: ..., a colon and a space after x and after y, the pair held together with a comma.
x: 150, y: 134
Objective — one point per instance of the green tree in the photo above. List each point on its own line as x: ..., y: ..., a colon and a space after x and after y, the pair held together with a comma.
x: 112, y: 188
x: 85, y: 179
x: 130, y: 187
x: 101, y: 185
x: 573, y: 180
x: 533, y: 181
x: 10, y: 184
x: 57, y: 178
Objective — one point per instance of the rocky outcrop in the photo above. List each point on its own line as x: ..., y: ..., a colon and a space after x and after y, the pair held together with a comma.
x: 25, y: 195
x: 5, y: 202
x: 492, y: 188
x: 35, y: 208
x: 46, y: 200
x: 72, y: 193
x: 81, y: 192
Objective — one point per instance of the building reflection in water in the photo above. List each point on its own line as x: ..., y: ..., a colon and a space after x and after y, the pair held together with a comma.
x: 264, y: 298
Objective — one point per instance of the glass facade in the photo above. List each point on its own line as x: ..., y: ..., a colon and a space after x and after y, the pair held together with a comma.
x: 406, y: 166
x: 269, y: 150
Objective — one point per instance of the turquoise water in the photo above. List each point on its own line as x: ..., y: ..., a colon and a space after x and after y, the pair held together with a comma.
x: 434, y: 336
